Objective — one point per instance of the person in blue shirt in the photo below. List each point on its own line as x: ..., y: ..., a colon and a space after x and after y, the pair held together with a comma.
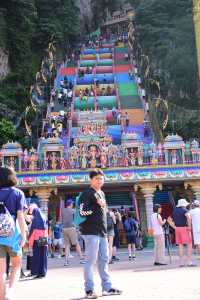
x: 130, y: 227
x: 57, y: 238
x: 13, y: 200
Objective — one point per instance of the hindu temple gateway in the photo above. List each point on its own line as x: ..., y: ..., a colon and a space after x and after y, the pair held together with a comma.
x: 98, y: 116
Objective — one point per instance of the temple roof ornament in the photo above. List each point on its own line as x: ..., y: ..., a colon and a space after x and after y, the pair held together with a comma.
x: 11, y: 149
x: 173, y: 138
x: 174, y: 141
x: 12, y: 145
x: 55, y: 140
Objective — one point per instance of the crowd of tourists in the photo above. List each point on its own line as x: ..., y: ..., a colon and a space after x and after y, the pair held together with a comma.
x: 82, y: 71
x: 63, y: 95
x: 83, y: 94
x: 91, y: 228
x: 56, y: 125
x: 185, y: 220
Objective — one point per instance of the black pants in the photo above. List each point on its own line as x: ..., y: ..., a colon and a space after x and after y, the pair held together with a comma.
x: 39, y: 260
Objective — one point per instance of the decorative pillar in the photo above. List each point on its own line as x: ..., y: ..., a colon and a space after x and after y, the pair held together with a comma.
x: 43, y: 194
x: 148, y: 190
x: 148, y: 196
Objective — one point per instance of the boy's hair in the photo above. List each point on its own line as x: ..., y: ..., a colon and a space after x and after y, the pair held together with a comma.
x: 95, y: 172
x: 7, y: 177
x: 156, y: 208
x: 130, y: 214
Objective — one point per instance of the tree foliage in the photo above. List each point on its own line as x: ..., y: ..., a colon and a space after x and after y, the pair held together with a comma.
x: 7, y: 131
x: 26, y: 27
x: 166, y: 34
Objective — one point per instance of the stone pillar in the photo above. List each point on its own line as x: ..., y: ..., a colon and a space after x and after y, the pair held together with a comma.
x: 194, y: 185
x: 148, y: 190
x: 148, y: 196
x: 43, y: 194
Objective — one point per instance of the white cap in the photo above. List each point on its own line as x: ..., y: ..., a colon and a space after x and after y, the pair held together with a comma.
x: 182, y: 203
x: 196, y: 203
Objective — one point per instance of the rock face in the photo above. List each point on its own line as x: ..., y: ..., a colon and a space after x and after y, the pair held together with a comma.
x: 85, y: 9
x: 4, y: 64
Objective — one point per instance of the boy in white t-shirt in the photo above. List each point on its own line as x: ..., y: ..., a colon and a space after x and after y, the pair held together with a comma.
x: 159, y: 238
x: 195, y: 216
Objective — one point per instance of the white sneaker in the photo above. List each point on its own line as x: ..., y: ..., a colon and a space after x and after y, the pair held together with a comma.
x: 66, y: 264
x: 10, y: 295
x: 59, y: 256
x: 111, y: 292
x: 71, y: 256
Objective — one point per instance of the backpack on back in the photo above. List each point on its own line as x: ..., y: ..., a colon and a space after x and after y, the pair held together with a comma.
x: 7, y: 223
x: 110, y: 223
x: 78, y: 219
x: 128, y: 227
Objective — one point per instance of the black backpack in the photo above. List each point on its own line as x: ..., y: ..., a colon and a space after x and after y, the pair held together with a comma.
x: 110, y: 223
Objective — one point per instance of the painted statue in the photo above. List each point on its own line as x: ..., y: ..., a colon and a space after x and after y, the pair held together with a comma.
x: 195, y: 150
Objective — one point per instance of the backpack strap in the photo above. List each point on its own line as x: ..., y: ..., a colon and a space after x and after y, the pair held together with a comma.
x: 2, y: 202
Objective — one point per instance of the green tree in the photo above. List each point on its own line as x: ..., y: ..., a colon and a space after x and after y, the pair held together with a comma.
x: 7, y: 131
x: 166, y: 34
x: 26, y: 27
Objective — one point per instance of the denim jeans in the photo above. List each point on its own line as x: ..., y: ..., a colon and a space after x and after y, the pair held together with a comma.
x: 96, y: 250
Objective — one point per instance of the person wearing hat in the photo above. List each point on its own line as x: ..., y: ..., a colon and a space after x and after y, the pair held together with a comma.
x: 181, y: 222
x: 195, y: 216
x: 69, y: 231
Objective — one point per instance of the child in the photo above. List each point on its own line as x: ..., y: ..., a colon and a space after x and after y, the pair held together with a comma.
x: 130, y: 227
x: 57, y: 240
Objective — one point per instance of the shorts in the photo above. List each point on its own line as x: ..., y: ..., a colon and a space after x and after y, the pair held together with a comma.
x: 50, y: 241
x: 131, y: 239
x: 111, y: 232
x: 57, y: 242
x: 116, y: 241
x: 183, y: 236
x: 4, y: 250
x: 196, y: 237
x: 70, y: 236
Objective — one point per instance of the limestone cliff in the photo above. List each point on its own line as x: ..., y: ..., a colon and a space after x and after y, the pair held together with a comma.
x: 85, y: 10
x: 4, y: 63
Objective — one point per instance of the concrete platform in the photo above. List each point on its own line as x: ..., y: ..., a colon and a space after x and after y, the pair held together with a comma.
x: 138, y: 279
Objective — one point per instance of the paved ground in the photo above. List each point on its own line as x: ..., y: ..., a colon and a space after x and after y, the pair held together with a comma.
x: 138, y: 279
